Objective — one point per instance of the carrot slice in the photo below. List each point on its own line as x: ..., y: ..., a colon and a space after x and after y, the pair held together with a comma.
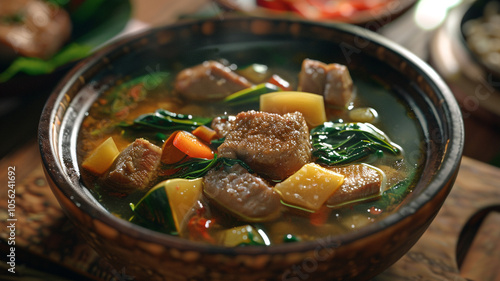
x: 205, y: 133
x: 280, y: 82
x: 169, y: 153
x: 192, y: 146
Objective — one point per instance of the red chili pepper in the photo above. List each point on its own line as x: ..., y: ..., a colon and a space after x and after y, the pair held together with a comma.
x: 320, y: 217
x: 198, y: 227
x: 375, y: 211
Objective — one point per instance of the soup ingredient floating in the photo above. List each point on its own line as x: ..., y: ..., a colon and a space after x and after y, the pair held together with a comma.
x: 228, y: 178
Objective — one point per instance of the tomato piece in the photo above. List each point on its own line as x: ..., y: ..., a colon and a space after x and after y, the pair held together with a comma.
x: 277, y: 5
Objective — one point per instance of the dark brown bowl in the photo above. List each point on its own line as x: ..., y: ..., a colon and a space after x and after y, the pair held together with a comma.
x: 358, y: 255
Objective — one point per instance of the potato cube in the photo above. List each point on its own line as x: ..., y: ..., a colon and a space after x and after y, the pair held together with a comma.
x: 310, y: 105
x: 309, y: 187
x: 102, y: 157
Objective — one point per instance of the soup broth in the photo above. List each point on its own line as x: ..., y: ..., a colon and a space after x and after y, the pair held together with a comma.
x: 209, y: 220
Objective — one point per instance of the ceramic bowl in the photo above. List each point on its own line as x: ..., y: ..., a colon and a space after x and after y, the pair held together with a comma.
x: 475, y: 84
x: 358, y: 255
x: 372, y: 18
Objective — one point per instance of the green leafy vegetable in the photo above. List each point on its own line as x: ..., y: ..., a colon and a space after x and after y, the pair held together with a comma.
x: 94, y: 22
x: 196, y: 167
x: 341, y: 143
x: 245, y: 235
x: 250, y: 95
x: 37, y: 66
x: 163, y: 121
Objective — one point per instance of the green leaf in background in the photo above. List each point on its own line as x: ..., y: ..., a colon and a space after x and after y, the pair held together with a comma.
x: 36, y: 66
x: 95, y: 22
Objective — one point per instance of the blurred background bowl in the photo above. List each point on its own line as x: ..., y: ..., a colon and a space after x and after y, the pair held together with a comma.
x: 474, y: 83
x: 370, y: 14
x: 358, y: 255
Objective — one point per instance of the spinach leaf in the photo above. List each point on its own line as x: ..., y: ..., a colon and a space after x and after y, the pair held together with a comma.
x: 163, y: 121
x: 342, y: 143
x: 196, y: 167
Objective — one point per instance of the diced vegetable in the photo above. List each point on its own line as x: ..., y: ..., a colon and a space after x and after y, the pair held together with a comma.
x: 166, y: 204
x: 310, y: 105
x: 320, y: 217
x: 280, y: 82
x: 205, y: 133
x: 256, y: 73
x: 153, y: 211
x: 182, y: 196
x: 309, y: 187
x: 242, y: 235
x: 102, y: 157
x: 363, y: 114
x: 192, y: 146
x: 169, y: 153
x: 250, y: 95
x: 199, y: 228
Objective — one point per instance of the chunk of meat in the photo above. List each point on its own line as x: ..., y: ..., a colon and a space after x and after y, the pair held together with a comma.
x: 32, y: 28
x: 134, y: 169
x: 210, y: 80
x: 361, y: 181
x: 245, y: 195
x: 273, y: 145
x: 333, y: 81
x: 222, y: 125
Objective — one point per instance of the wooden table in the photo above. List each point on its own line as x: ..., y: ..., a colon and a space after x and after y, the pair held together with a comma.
x: 462, y: 243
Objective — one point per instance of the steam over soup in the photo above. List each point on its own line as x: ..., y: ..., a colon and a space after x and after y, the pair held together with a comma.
x: 253, y: 155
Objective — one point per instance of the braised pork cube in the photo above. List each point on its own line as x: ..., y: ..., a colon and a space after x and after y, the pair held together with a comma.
x: 273, y: 145
x: 333, y: 81
x: 32, y: 28
x: 361, y: 181
x: 245, y: 195
x: 210, y: 80
x: 222, y: 125
x: 134, y: 169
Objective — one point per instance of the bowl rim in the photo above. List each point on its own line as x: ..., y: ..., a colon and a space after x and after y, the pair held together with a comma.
x: 447, y: 170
